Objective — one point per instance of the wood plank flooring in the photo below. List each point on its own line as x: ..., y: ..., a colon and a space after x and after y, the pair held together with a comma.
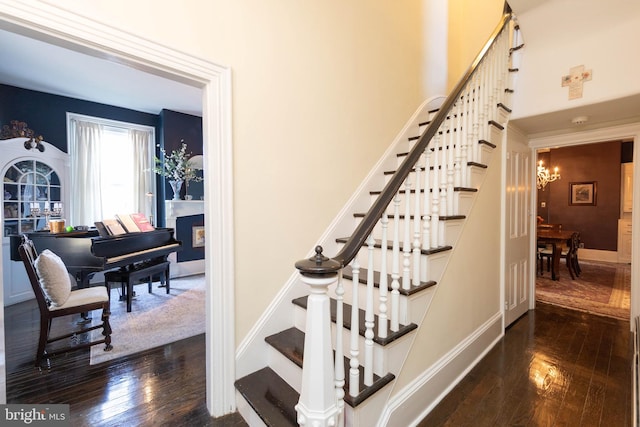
x: 554, y: 367
x: 158, y: 387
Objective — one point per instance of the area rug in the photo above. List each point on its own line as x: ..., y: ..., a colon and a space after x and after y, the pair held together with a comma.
x: 602, y: 288
x: 155, y: 319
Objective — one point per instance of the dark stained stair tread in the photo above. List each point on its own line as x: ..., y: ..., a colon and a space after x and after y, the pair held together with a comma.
x: 347, y: 273
x: 378, y: 244
x: 391, y: 336
x: 270, y: 397
x: 290, y: 343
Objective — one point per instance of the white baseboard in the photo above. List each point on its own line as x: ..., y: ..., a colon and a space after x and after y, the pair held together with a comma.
x: 597, y: 255
x: 417, y: 399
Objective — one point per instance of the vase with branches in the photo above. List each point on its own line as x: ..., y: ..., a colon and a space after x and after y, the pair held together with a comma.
x: 175, y: 167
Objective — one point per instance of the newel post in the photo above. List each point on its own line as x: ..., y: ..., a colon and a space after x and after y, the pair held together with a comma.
x: 318, y: 405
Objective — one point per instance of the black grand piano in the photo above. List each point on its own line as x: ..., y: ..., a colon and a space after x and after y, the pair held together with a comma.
x: 86, y: 252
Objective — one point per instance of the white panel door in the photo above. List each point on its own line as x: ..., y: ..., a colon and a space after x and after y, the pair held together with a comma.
x: 518, y: 243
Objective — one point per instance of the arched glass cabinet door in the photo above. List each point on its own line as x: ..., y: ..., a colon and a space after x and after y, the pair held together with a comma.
x: 30, y: 188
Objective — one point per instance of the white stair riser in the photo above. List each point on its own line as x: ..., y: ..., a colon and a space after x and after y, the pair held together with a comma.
x: 432, y: 265
x: 385, y: 358
x: 416, y: 306
x: 247, y: 412
x: 285, y: 368
x: 410, y: 306
x: 368, y: 412
x: 451, y: 230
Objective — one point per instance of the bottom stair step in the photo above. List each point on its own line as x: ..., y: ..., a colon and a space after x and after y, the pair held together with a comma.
x: 290, y: 343
x: 270, y: 397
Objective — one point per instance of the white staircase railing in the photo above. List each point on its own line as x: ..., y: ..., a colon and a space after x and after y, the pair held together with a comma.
x: 407, y: 221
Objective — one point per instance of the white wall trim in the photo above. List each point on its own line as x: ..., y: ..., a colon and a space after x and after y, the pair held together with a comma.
x: 631, y: 132
x: 50, y: 23
x: 418, y: 398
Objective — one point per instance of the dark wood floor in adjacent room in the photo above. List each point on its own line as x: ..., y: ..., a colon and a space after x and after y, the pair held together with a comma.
x: 164, y: 386
x: 553, y: 367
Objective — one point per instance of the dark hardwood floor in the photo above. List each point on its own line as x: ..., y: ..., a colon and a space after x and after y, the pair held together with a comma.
x: 553, y: 367
x: 158, y: 387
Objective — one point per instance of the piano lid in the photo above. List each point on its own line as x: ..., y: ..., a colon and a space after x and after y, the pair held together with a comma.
x: 113, y: 246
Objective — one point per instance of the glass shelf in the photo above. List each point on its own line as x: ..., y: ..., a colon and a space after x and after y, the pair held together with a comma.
x: 26, y: 182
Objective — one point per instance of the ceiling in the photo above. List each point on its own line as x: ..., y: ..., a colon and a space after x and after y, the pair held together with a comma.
x: 32, y: 64
x: 617, y: 111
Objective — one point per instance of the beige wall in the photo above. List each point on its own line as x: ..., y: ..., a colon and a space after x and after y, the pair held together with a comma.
x: 470, y: 25
x: 319, y: 91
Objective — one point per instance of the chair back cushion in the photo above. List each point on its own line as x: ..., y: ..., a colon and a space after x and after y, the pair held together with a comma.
x: 54, y: 278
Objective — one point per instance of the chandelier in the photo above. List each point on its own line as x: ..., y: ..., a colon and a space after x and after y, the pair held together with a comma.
x: 544, y: 176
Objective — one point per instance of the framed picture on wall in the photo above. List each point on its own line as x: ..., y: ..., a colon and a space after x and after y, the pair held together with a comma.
x: 582, y: 193
x: 197, y: 240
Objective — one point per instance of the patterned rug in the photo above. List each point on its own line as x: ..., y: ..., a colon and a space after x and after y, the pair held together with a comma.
x: 155, y: 318
x: 602, y: 288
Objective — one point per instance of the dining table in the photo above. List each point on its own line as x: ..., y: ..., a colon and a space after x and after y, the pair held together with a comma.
x: 555, y: 237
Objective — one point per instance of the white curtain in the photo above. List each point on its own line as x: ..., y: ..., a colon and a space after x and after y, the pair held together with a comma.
x: 142, y: 168
x: 86, y: 188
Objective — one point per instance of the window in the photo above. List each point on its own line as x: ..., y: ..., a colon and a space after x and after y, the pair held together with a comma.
x: 111, y: 168
x: 116, y: 154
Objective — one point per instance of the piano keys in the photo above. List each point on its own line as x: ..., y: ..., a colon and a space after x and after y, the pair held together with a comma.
x: 86, y: 253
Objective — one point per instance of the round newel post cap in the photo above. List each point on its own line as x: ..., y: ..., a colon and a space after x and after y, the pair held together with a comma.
x: 318, y: 265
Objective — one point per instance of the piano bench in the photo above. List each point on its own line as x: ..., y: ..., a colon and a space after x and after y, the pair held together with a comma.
x: 131, y: 276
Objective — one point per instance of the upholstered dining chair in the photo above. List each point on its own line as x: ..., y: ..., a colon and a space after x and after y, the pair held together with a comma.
x: 569, y: 252
x: 51, y: 285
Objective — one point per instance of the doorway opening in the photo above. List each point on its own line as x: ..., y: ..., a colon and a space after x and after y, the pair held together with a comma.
x: 102, y: 41
x: 591, y: 195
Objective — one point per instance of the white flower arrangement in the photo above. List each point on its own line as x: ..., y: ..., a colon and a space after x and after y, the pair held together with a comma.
x: 176, y: 165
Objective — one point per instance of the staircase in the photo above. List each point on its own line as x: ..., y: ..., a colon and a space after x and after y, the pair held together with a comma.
x: 363, y: 306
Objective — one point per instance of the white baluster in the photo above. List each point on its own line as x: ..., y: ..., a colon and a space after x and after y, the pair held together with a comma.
x: 395, y: 268
x: 417, y: 244
x: 426, y: 238
x: 443, y: 191
x: 406, y: 243
x: 354, y: 363
x: 457, y: 180
x: 339, y: 353
x: 476, y: 119
x: 471, y: 129
x: 450, y: 159
x: 369, y: 318
x: 435, y: 194
x: 484, y: 96
x: 465, y: 137
x: 383, y: 321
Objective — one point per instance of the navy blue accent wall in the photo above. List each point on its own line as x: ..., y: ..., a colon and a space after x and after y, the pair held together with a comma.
x: 177, y: 127
x: 184, y: 233
x: 46, y: 114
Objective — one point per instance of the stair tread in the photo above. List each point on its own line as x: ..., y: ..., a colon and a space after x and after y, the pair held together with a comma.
x: 391, y: 336
x: 347, y: 273
x: 430, y: 251
x: 290, y: 343
x: 270, y: 397
x: 402, y: 216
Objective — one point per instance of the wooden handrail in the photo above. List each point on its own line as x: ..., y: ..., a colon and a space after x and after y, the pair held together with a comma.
x: 364, y: 229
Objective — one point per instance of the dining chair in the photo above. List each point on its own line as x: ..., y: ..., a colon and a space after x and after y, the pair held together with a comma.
x: 569, y: 252
x: 51, y: 285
